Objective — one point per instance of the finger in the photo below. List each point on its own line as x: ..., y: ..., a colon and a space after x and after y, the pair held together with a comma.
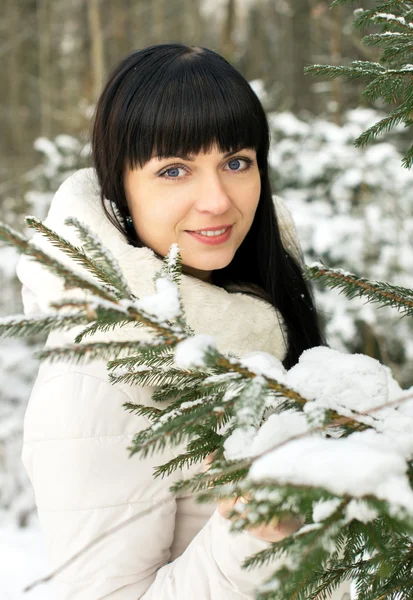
x: 208, y: 460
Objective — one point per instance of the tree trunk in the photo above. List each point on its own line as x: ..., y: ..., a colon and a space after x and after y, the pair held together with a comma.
x: 195, y: 22
x: 228, y: 45
x: 45, y: 90
x: 303, y: 97
x: 335, y: 48
x: 12, y: 72
x: 96, y: 50
x: 158, y: 18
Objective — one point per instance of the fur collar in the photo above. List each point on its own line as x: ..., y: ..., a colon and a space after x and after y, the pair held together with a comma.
x: 240, y: 323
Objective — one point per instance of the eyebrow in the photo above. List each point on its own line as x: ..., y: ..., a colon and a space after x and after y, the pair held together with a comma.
x: 188, y: 158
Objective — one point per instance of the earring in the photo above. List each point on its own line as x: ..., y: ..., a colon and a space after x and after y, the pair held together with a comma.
x: 129, y: 222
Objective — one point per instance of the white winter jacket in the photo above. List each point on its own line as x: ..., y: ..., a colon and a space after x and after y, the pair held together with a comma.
x: 76, y: 434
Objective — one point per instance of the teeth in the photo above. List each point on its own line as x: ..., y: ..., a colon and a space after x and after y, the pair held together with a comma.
x: 212, y: 233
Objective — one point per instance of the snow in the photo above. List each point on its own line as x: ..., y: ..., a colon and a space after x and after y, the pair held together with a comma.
x: 322, y: 509
x: 164, y: 304
x: 355, y: 510
x: 346, y: 383
x: 177, y: 412
x: 360, y: 511
x: 173, y: 255
x: 393, y: 18
x: 191, y: 352
x: 23, y: 561
x: 278, y: 428
x: 251, y: 404
x: 290, y: 450
x: 335, y: 465
x: 47, y: 147
x: 263, y: 363
x: 352, y: 208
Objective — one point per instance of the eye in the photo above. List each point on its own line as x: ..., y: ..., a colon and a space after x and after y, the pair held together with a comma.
x: 171, y: 172
x: 234, y: 163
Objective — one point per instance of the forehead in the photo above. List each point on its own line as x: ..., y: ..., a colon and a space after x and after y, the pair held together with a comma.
x: 214, y: 151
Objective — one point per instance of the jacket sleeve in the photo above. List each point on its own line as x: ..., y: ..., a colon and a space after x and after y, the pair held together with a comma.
x: 76, y: 434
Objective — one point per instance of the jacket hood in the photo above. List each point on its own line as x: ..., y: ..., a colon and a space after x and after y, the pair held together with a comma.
x: 238, y: 321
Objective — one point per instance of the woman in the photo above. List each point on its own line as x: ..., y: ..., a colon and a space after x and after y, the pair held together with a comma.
x: 180, y: 145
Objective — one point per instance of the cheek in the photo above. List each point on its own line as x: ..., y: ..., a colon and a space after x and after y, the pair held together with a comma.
x: 166, y: 211
x: 249, y: 196
x: 159, y: 217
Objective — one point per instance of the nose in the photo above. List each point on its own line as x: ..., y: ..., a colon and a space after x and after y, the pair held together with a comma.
x: 212, y: 195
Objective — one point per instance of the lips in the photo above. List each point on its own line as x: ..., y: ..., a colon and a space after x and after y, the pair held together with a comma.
x: 217, y: 228
x: 213, y: 240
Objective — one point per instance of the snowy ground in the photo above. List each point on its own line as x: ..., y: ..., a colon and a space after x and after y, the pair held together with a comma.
x: 22, y: 560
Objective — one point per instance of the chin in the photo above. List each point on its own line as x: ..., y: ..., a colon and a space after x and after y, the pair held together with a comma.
x: 211, y: 263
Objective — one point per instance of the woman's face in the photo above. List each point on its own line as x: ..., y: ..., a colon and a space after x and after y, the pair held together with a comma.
x: 170, y: 197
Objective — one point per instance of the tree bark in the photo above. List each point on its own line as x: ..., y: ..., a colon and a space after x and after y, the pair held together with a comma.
x: 335, y: 48
x: 12, y: 73
x: 158, y: 17
x: 228, y: 45
x: 45, y: 91
x: 303, y: 97
x: 96, y: 50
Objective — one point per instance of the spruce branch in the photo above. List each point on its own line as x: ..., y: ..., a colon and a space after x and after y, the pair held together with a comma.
x: 223, y: 391
x: 71, y: 279
x: 227, y: 470
x: 75, y: 253
x: 197, y: 449
x: 80, y: 352
x: 25, y: 326
x: 353, y: 286
x: 391, y: 77
x: 387, y: 5
x: 379, y: 87
x: 98, y: 256
x: 103, y: 327
x: 399, y: 115
x: 155, y: 356
x: 355, y: 70
x: 150, y: 376
x: 141, y: 410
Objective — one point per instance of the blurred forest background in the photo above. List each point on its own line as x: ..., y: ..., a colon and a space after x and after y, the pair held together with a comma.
x: 56, y: 54
x: 353, y: 207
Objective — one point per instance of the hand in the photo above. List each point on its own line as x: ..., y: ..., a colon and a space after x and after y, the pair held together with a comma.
x: 272, y: 532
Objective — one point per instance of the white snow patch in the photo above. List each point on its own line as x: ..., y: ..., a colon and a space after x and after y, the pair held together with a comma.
x: 191, y: 352
x: 360, y: 511
x: 363, y: 463
x: 165, y: 303
x: 277, y: 429
x: 322, y: 509
x: 263, y: 363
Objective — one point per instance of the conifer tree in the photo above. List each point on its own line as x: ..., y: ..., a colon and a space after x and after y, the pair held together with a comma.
x: 330, y: 440
x: 389, y: 79
x: 215, y: 402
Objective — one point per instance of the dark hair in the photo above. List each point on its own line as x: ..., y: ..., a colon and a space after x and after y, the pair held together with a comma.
x: 172, y: 100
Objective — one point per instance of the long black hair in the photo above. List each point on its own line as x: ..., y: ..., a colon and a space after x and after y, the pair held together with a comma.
x: 174, y: 100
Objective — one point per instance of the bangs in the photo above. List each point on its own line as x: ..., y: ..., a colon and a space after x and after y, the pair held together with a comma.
x: 184, y: 108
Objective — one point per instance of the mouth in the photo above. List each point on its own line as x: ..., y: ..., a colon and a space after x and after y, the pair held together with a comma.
x: 212, y: 235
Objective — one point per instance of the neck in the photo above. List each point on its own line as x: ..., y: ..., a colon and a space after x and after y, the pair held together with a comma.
x: 198, y: 273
